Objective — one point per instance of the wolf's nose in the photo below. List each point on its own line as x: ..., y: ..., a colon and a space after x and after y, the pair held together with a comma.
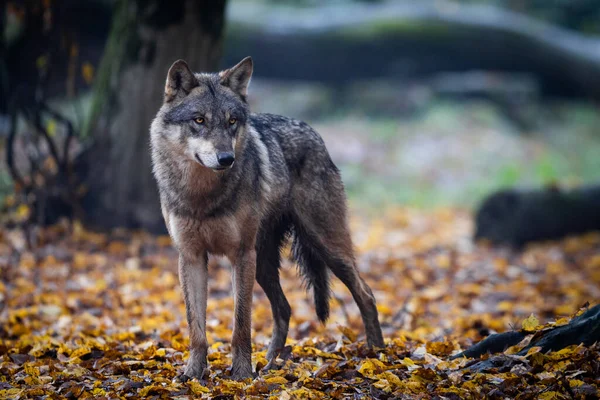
x: 225, y: 159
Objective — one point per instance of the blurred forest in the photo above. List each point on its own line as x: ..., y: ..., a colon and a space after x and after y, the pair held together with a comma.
x: 457, y: 126
x: 508, y: 90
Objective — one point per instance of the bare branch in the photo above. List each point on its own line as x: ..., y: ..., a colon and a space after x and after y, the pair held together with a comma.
x: 37, y: 123
x: 70, y: 133
x: 10, y: 149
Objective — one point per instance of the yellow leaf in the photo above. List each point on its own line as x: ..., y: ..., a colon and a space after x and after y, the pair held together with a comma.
x: 64, y: 349
x: 393, y: 379
x: 530, y: 323
x: 533, y: 350
x: 75, y: 371
x: 23, y: 212
x: 384, y: 309
x: 504, y: 306
x: 49, y: 163
x: 101, y: 284
x: 549, y: 396
x: 123, y: 336
x: 51, y: 127
x: 371, y: 367
x: 145, y: 391
x: 10, y: 200
x: 41, y: 62
x: 163, y: 241
x: 408, y: 363
x: 415, y: 385
x: 31, y: 370
x: 40, y: 348
x: 216, y: 345
x: 349, y: 333
x: 276, y: 380
x: 564, y: 309
x: 10, y: 393
x: 87, y: 71
x: 81, y: 351
x: 197, y: 388
x: 561, y: 321
x: 384, y: 385
x: 575, y: 383
x: 440, y: 348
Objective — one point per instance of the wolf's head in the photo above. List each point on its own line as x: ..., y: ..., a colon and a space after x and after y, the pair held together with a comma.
x: 204, y: 115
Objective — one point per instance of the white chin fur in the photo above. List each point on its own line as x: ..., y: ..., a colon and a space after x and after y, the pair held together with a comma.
x: 207, y: 160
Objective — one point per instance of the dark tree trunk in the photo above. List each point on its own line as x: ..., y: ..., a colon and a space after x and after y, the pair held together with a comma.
x: 145, y: 39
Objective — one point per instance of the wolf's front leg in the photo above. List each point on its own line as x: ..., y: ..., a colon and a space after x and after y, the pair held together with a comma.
x: 244, y: 273
x: 193, y: 275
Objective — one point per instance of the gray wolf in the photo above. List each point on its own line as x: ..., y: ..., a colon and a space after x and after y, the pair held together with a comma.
x: 238, y: 184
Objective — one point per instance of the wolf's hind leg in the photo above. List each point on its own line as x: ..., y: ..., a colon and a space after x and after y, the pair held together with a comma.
x: 267, y: 276
x: 347, y: 272
x: 324, y: 220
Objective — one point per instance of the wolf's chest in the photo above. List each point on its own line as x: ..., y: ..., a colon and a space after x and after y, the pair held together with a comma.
x: 219, y: 236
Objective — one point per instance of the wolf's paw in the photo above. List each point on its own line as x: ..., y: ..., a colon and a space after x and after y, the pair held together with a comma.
x: 376, y: 345
x: 193, y: 370
x: 271, y: 365
x: 375, y: 339
x: 240, y: 373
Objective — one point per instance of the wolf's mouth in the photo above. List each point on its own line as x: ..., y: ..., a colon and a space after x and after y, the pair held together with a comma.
x: 219, y: 168
x: 198, y: 159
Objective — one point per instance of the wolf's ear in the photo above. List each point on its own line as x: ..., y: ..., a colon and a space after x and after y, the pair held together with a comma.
x: 180, y: 80
x: 237, y: 78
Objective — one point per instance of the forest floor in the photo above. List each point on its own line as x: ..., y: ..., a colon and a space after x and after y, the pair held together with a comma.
x: 90, y: 315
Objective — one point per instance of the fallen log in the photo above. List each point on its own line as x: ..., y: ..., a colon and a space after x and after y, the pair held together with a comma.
x: 333, y: 44
x: 516, y: 217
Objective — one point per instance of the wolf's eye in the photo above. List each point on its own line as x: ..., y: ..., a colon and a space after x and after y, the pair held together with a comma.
x: 199, y: 121
x: 232, y: 121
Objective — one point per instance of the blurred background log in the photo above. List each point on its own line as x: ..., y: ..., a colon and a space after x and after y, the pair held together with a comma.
x: 346, y: 42
x: 516, y: 217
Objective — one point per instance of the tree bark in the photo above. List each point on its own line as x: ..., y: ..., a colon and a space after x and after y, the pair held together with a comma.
x: 145, y: 39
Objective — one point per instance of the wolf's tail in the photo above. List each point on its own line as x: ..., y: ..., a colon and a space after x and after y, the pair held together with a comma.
x: 310, y: 256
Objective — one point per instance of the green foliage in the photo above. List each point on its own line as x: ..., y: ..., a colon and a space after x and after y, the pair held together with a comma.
x: 379, y: 28
x: 546, y: 169
x: 6, y: 185
x: 508, y: 175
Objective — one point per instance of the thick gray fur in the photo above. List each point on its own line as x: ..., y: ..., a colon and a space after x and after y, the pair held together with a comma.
x: 281, y: 184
